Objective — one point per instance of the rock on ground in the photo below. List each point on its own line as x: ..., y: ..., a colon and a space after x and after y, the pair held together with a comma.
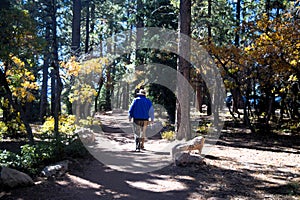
x: 13, y: 178
x: 57, y: 169
x: 186, y: 159
x: 196, y: 144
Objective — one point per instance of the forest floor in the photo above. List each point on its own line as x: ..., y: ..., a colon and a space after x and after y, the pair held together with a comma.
x: 240, y: 166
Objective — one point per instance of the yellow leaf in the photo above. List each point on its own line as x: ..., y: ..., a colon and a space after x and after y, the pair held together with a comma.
x: 293, y: 62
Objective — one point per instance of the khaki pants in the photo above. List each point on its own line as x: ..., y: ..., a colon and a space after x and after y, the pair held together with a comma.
x: 140, y: 127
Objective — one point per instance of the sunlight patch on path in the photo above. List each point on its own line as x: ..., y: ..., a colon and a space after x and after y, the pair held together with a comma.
x: 158, y: 185
x: 121, y: 157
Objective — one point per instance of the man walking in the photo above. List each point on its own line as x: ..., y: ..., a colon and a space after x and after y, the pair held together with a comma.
x: 141, y: 110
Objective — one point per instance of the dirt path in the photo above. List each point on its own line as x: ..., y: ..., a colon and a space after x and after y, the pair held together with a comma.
x: 241, y: 166
x: 114, y: 146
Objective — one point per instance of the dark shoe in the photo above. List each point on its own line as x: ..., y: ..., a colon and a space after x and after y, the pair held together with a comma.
x: 137, y: 144
x: 142, y: 143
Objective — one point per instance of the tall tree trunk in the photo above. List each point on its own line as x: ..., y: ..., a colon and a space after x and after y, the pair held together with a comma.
x: 183, y: 127
x: 140, y: 31
x: 100, y: 84
x: 44, y: 101
x: 209, y: 102
x: 75, y: 46
x: 117, y: 98
x: 209, y: 33
x: 247, y: 121
x: 125, y: 94
x: 270, y: 100
x: 108, y: 86
x: 92, y: 28
x: 236, y: 100
x: 53, y: 83
x: 238, y: 21
x: 199, y: 95
x: 55, y: 65
x: 268, y: 7
x: 108, y: 71
x: 125, y: 91
x: 87, y: 27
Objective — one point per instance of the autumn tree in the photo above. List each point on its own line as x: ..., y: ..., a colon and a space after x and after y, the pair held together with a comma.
x: 264, y: 69
x: 19, y: 44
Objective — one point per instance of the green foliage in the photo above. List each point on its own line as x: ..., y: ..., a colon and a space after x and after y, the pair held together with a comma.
x: 293, y: 188
x: 18, y: 34
x: 9, y: 159
x: 220, y: 22
x: 168, y: 135
x: 75, y: 148
x: 33, y: 158
x: 160, y: 94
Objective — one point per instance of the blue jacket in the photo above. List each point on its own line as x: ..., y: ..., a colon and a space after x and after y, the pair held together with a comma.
x: 141, y: 108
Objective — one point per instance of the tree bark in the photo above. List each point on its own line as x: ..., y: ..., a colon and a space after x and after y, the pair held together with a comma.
x: 139, y: 32
x: 57, y: 84
x: 53, y: 83
x: 108, y: 86
x: 87, y: 27
x: 183, y: 128
x: 238, y: 21
x: 267, y: 7
x: 44, y: 101
x: 209, y: 33
x: 92, y: 28
x: 75, y: 46
x: 100, y: 84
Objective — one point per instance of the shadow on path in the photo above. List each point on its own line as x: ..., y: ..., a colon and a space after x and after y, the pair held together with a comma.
x: 223, y: 175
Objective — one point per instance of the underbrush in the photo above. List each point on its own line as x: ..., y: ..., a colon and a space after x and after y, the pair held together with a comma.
x: 168, y: 135
x: 33, y: 158
x: 47, y: 149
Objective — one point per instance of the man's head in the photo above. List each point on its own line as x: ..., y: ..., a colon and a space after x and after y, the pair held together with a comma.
x: 142, y: 92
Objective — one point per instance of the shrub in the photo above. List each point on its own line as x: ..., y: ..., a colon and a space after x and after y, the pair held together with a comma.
x: 10, y: 159
x: 33, y: 158
x: 203, y: 127
x: 12, y: 128
x: 3, y: 129
x: 66, y: 125
x: 75, y: 148
x: 168, y: 135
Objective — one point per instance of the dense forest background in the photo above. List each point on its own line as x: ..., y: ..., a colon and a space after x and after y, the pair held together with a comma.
x: 45, y: 43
